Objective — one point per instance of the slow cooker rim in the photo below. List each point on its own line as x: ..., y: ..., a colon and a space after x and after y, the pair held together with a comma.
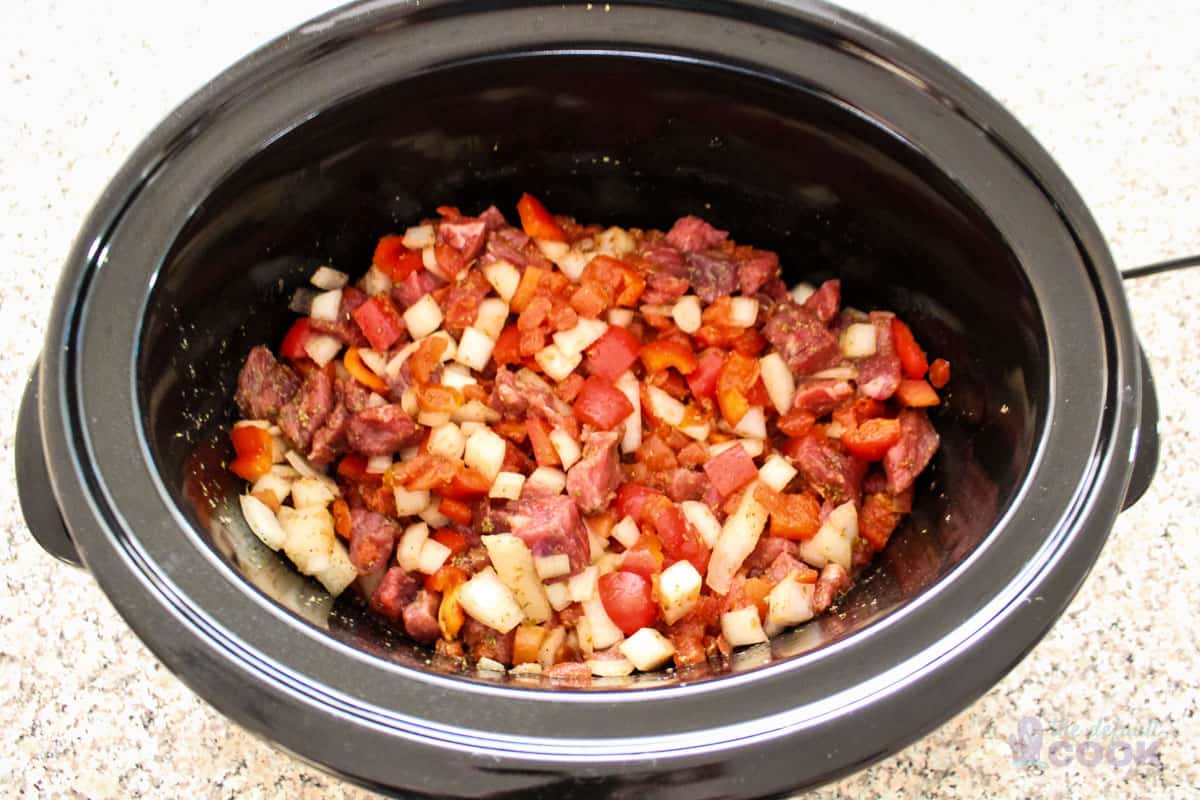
x: 56, y: 363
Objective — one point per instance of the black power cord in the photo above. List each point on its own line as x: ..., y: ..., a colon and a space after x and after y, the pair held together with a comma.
x: 1161, y: 266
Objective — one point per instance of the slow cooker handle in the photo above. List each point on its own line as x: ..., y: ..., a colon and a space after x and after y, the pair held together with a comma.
x: 33, y: 481
x: 1145, y: 450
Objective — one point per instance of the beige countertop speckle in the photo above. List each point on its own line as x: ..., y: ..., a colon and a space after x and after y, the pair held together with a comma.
x: 1112, y: 88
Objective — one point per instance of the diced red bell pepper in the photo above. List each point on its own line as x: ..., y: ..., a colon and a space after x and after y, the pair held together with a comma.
x: 601, y: 404
x: 353, y: 467
x: 451, y: 539
x: 917, y: 394
x: 939, y: 373
x: 912, y: 357
x: 447, y: 577
x: 467, y: 484
x: 537, y: 221
x: 253, y: 446
x: 508, y: 347
x: 703, y: 380
x: 395, y: 260
x: 872, y: 439
x: 796, y: 422
x: 680, y: 541
x: 379, y: 321
x: 731, y: 470
x: 877, y: 520
x: 632, y: 499
x: 667, y: 353
x: 613, y: 353
x: 539, y: 438
x: 294, y: 341
x: 734, y: 382
x: 455, y: 510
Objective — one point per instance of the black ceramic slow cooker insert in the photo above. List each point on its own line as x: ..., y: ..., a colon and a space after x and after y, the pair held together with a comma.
x: 800, y: 128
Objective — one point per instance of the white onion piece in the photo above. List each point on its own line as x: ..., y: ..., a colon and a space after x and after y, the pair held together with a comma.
x: 703, y: 520
x: 552, y: 250
x: 742, y: 627
x: 573, y: 264
x: 843, y: 373
x: 507, y: 486
x: 489, y: 665
x: 408, y: 549
x: 621, y: 317
x: 375, y: 361
x: 434, y: 518
x: 529, y: 670
x: 393, y: 367
x: 457, y: 376
x: 776, y: 473
x: 504, y: 278
x: 326, y: 305
x: 329, y: 278
x: 474, y: 349
x: 678, y: 590
x: 262, y: 521
x: 835, y: 429
x: 253, y: 423
x: 615, y: 242
x: 583, y: 586
x: 566, y: 447
x: 790, y: 602
x: 423, y: 317
x: 308, y: 537
x: 743, y: 312
x: 433, y: 555
x: 493, y: 313
x: 515, y: 566
x: 430, y: 262
x: 340, y: 573
x: 778, y: 380
x: 858, y: 340
x: 489, y: 601
x: 301, y: 465
x: 556, y: 363
x: 605, y: 633
x: 738, y: 538
x: 802, y: 291
x: 548, y: 480
x: 664, y: 406
x: 474, y: 411
x: 626, y: 532
x: 321, y: 348
x: 579, y: 338
x: 610, y: 667
x: 686, y: 313
x: 753, y: 424
x: 631, y: 439
x: 309, y: 492
x: 286, y: 471
x: 558, y: 595
x: 647, y: 649
x: 447, y: 440
x: 433, y: 419
x: 376, y: 282
x: 834, y: 541
x: 552, y: 566
x: 484, y: 452
x: 419, y: 237
x: 279, y: 486
x: 410, y: 503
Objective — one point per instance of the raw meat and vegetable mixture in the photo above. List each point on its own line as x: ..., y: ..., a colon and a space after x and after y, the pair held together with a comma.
x: 582, y: 451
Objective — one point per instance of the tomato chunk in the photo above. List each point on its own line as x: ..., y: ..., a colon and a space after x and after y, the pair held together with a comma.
x: 917, y: 394
x: 467, y: 484
x: 294, y: 341
x: 508, y: 347
x: 253, y: 446
x: 872, y: 439
x: 877, y: 520
x: 632, y: 499
x: 912, y: 357
x: 601, y: 404
x: 731, y: 470
x: 680, y: 541
x: 353, y: 468
x: 703, y: 379
x: 455, y: 510
x: 666, y: 353
x: 395, y: 260
x: 794, y: 516
x: 628, y: 599
x: 536, y: 220
x: 613, y: 353
x: 379, y: 321
x: 451, y: 539
x: 641, y: 561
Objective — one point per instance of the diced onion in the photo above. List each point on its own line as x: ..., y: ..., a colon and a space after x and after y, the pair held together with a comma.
x: 858, y: 340
x: 308, y: 492
x: 834, y: 430
x: 504, y: 278
x: 598, y: 546
x: 605, y: 633
x: 631, y: 439
x: 742, y: 627
x: 699, y: 431
x: 474, y: 411
x: 262, y: 521
x: 553, y: 250
x: 738, y: 538
x: 433, y: 554
x: 664, y: 406
x: 434, y: 518
x: 514, y: 564
x: 553, y: 566
x: 648, y: 649
x: 753, y: 424
x: 408, y: 549
x: 326, y: 305
x: 493, y: 313
x: 376, y: 282
x: 375, y: 361
x: 530, y: 670
x: 433, y: 419
x: 776, y: 473
x: 456, y: 376
x: 340, y: 573
x: 321, y: 348
x: 621, y: 317
x: 573, y: 263
x: 286, y: 471
x: 548, y: 480
x: 686, y: 313
x: 489, y: 665
x: 253, y: 423
x: 430, y: 262
x: 507, y: 486
x: 328, y: 278
x: 848, y: 372
x: 489, y: 601
x: 566, y: 447
x: 703, y: 520
x: 409, y: 503
x: 834, y: 541
x: 779, y: 382
x: 678, y: 590
x: 423, y: 317
x: 393, y: 367
x: 271, y: 482
x: 419, y: 237
x: 558, y: 595
x: 308, y: 537
x: 790, y: 602
x: 555, y: 363
x: 301, y: 465
x: 753, y: 447
x: 610, y: 667
x: 583, y: 586
x: 615, y: 242
x: 743, y: 312
x: 474, y: 349
x: 377, y: 465
x: 409, y: 402
x: 626, y: 532
x: 802, y: 291
x: 484, y: 452
x: 447, y: 440
x: 579, y: 338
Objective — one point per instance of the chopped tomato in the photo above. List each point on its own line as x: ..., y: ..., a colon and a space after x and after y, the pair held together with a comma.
x: 758, y: 394
x: 361, y: 373
x: 508, y: 347
x: 680, y: 541
x: 731, y: 470
x: 353, y: 467
x: 750, y: 343
x: 866, y: 408
x: 341, y: 518
x: 447, y: 577
x: 796, y: 422
x: 294, y: 341
x: 912, y: 357
x: 734, y: 382
x: 601, y: 404
x: 526, y: 288
x: 539, y: 439
x: 426, y: 359
x: 467, y: 484
x: 395, y: 260
x: 451, y: 539
x: 872, y: 439
x: 939, y: 373
x: 703, y: 380
x: 666, y: 353
x: 568, y: 388
x: 754, y: 593
x: 591, y: 299
x: 438, y: 399
x: 796, y: 516
x: 917, y: 394
x: 379, y: 321
x: 254, y: 447
x: 641, y: 561
x: 877, y: 520
x: 613, y: 353
x: 632, y: 498
x: 424, y: 471
x: 628, y: 599
x: 455, y: 510
x: 536, y: 220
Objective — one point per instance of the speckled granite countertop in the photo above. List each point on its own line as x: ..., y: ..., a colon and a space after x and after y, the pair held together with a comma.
x: 1111, y: 87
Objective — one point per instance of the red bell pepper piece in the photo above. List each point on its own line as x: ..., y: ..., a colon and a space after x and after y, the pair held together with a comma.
x: 253, y: 446
x: 536, y: 220
x: 294, y: 341
x: 666, y: 353
x: 917, y: 394
x: 872, y: 439
x: 395, y: 260
x: 912, y: 357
